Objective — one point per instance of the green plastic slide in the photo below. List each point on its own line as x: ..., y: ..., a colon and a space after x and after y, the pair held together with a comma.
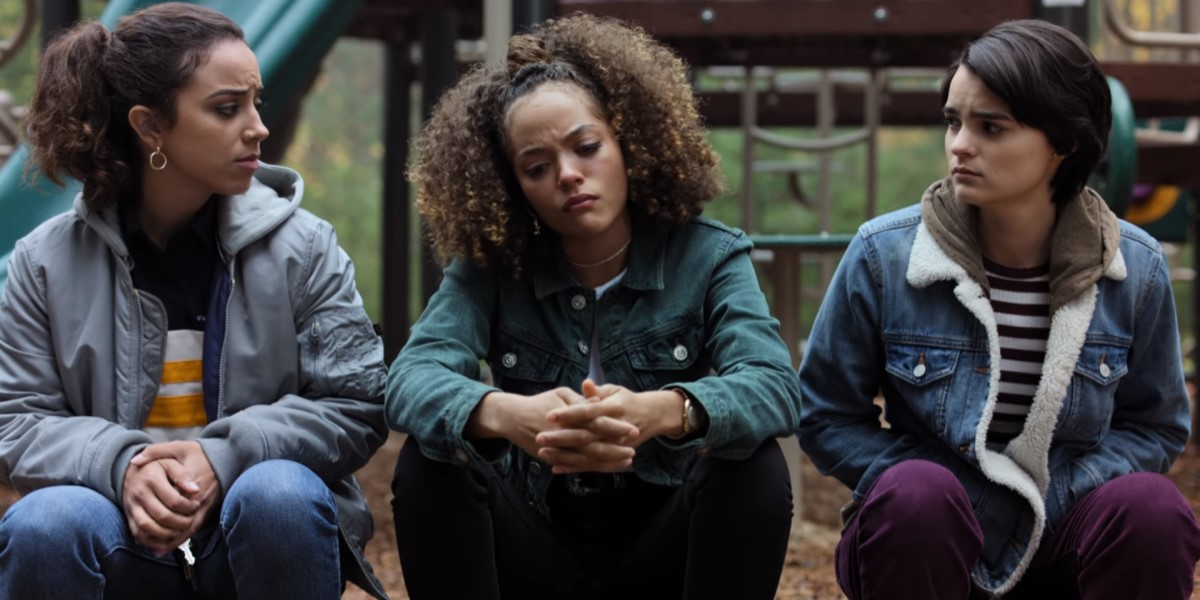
x: 290, y: 38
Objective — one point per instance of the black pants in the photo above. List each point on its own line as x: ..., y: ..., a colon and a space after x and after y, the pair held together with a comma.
x: 467, y: 533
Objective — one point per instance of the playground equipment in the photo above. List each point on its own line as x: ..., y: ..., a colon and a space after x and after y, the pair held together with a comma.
x: 855, y: 50
x: 11, y: 114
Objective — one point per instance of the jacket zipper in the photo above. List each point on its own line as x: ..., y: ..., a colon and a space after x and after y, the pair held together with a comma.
x: 224, y: 345
x: 379, y: 593
x: 142, y: 413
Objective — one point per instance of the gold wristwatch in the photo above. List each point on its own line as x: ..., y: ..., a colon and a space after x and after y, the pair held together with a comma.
x: 693, y: 415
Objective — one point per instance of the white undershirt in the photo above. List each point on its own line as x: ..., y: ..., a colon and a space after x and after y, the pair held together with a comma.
x: 595, y: 371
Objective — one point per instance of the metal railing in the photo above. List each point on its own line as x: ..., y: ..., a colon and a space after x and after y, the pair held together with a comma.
x: 1118, y: 24
x: 1150, y: 39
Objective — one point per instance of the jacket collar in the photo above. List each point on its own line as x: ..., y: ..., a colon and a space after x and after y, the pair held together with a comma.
x: 274, y: 194
x: 203, y: 225
x: 1085, y: 244
x: 548, y: 269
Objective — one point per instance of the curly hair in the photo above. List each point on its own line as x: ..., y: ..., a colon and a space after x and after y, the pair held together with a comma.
x: 89, y: 79
x: 466, y: 186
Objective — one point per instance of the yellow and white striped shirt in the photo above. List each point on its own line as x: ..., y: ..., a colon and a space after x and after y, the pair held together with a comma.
x: 178, y: 411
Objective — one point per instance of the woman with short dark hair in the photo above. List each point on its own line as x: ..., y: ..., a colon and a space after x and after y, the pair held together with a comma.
x: 1025, y: 344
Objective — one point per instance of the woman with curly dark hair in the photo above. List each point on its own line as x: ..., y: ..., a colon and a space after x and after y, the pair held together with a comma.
x: 176, y: 425
x: 623, y: 447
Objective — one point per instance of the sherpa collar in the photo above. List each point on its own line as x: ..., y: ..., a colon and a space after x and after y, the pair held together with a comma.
x: 1082, y: 250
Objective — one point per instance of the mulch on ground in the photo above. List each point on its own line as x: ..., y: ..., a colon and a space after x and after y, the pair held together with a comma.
x: 808, y: 571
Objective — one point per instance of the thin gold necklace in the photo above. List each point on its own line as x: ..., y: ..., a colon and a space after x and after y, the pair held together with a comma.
x: 596, y: 264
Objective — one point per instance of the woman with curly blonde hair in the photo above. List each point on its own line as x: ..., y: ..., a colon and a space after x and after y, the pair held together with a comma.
x: 623, y: 444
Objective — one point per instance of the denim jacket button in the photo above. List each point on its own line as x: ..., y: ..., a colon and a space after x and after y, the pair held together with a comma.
x: 583, y: 347
x: 965, y: 448
x: 1104, y: 370
x: 462, y: 455
x: 535, y: 468
x: 918, y: 370
x: 578, y: 302
x: 680, y: 353
x: 509, y: 360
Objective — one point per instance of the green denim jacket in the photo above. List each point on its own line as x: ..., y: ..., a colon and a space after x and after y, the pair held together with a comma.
x: 688, y: 314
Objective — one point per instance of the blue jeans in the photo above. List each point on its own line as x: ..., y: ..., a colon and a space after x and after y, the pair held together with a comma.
x: 277, y: 537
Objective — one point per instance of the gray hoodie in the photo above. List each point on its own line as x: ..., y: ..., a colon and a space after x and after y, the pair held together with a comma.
x: 298, y: 375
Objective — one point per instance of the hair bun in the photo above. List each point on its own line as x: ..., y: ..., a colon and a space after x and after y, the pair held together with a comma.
x: 526, y: 50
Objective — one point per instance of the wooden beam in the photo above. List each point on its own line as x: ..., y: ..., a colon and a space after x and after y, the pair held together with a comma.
x: 1169, y: 165
x: 717, y: 18
x: 1159, y: 89
x: 795, y: 109
x: 820, y: 51
x: 1156, y: 89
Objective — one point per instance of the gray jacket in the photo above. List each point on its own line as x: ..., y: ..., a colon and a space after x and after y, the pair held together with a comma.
x: 290, y: 354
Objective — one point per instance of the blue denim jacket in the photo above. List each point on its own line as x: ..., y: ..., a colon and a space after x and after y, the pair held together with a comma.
x: 688, y: 314
x: 1112, y: 399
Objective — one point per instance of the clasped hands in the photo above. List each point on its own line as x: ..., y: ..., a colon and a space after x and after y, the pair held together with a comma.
x: 170, y: 488
x: 596, y: 431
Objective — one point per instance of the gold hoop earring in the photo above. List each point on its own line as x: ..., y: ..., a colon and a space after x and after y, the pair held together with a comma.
x: 158, y: 152
x: 537, y: 223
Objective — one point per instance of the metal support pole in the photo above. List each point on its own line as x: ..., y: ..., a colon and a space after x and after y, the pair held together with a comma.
x: 1188, y: 23
x: 397, y: 263
x: 531, y: 12
x: 497, y: 28
x: 1195, y: 227
x: 749, y: 118
x: 1071, y: 18
x: 439, y: 71
x: 57, y: 15
x: 873, y: 109
x: 826, y: 119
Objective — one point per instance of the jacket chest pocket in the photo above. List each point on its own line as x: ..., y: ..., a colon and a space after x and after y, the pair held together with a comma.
x: 669, y: 353
x: 922, y: 375
x: 1091, y: 395
x: 521, y: 366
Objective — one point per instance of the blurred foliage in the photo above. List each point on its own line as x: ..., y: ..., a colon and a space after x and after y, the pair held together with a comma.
x: 338, y: 148
x: 16, y: 77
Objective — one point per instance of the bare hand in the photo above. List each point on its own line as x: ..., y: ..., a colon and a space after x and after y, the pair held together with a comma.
x: 520, y: 419
x: 599, y: 439
x: 649, y: 413
x: 201, y: 486
x: 160, y: 502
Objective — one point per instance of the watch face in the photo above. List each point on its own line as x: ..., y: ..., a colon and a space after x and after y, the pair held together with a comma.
x: 696, y: 417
